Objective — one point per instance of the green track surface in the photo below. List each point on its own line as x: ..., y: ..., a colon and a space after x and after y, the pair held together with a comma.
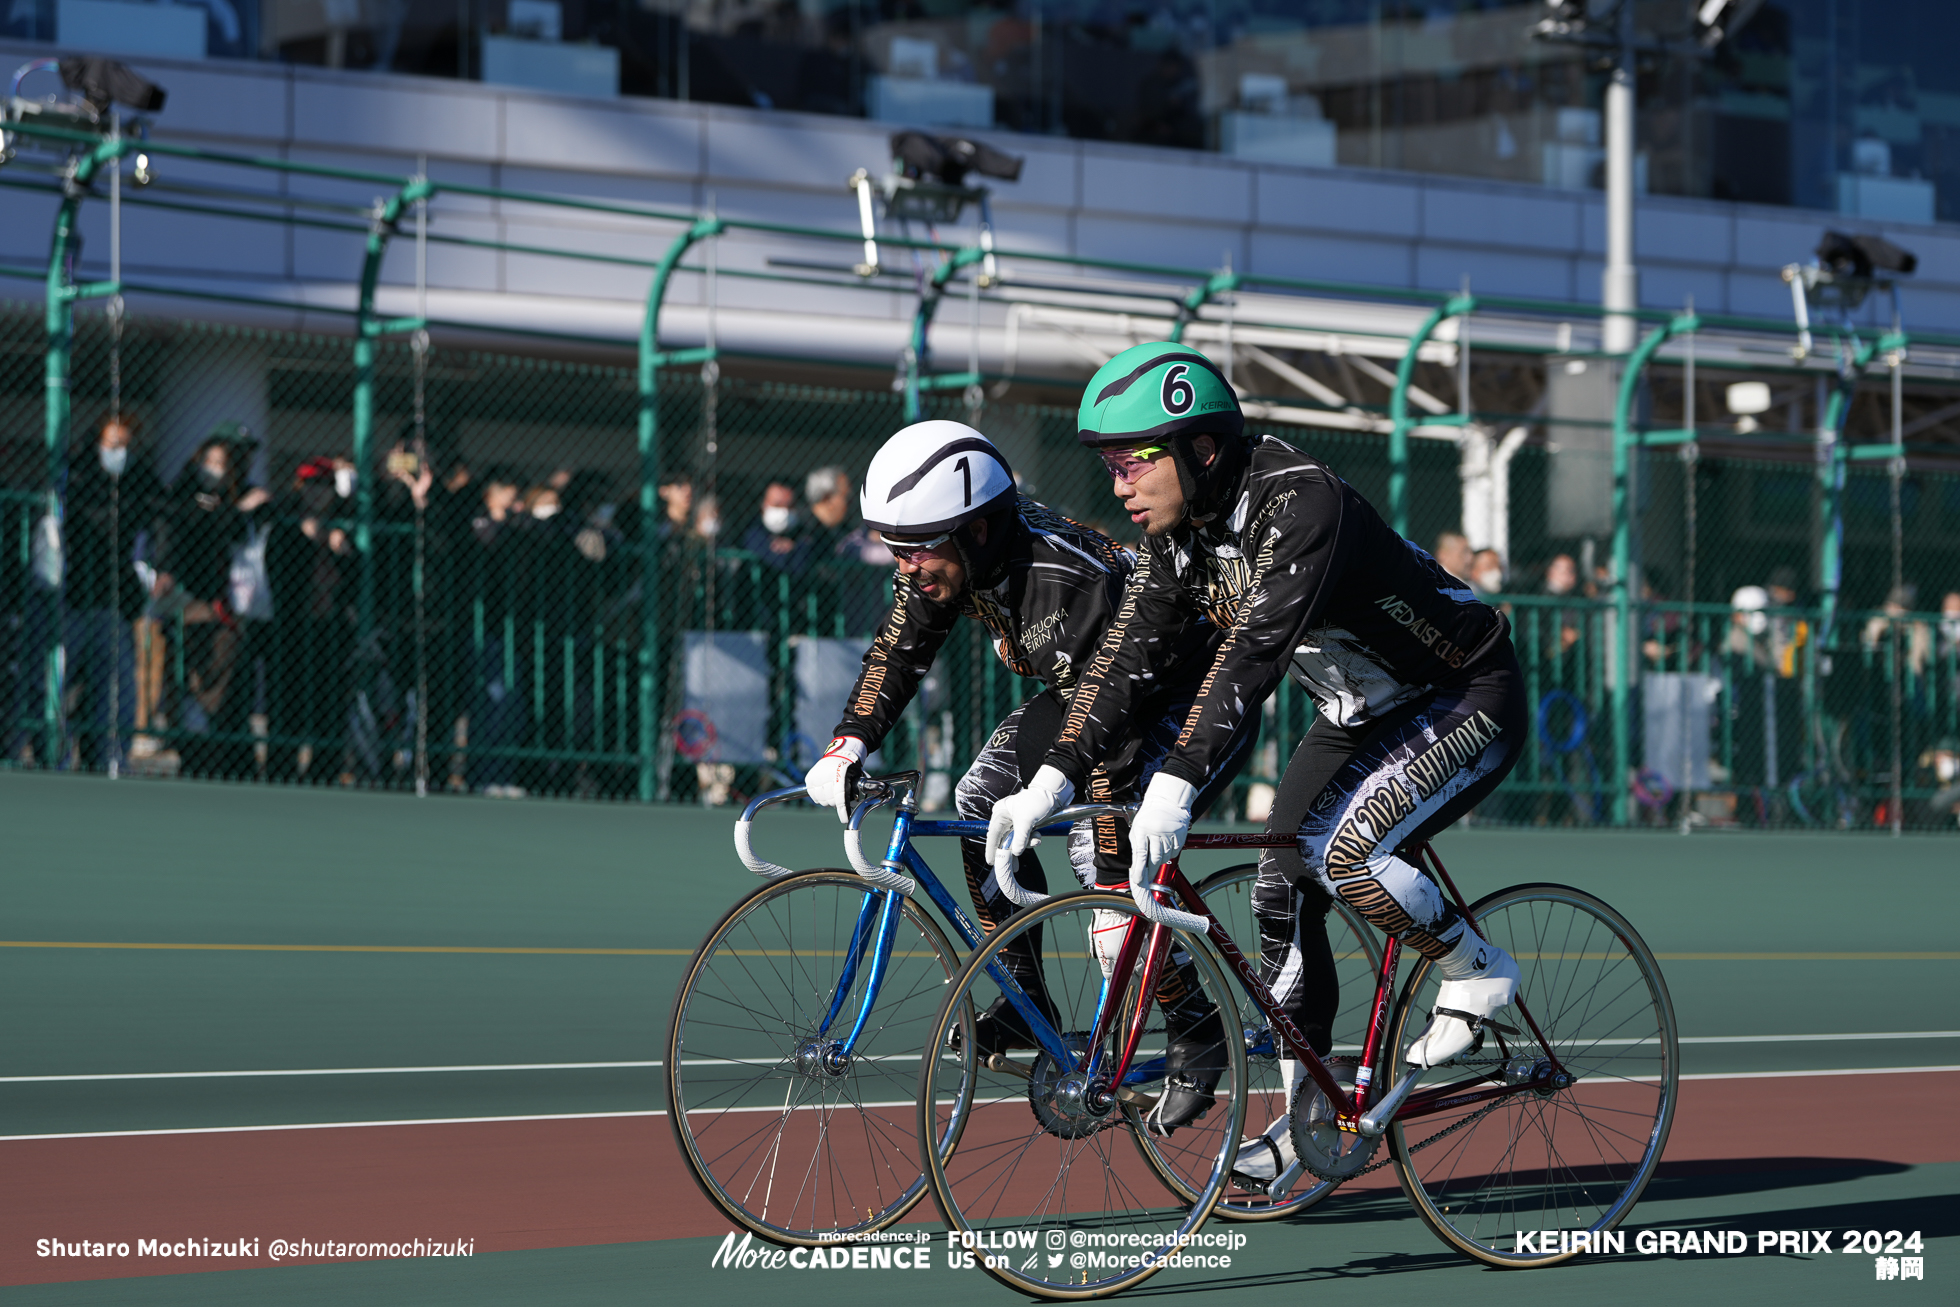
x: 166, y: 863
x: 148, y: 862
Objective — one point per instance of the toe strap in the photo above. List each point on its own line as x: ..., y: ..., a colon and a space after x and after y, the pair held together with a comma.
x: 1476, y: 1023
x: 1263, y: 1142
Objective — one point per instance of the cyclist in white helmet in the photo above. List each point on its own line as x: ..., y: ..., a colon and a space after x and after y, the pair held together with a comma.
x: 1047, y: 589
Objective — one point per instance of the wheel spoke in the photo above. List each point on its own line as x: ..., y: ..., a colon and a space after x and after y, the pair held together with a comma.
x: 1573, y: 1156
x: 798, y: 1147
x: 1036, y: 1153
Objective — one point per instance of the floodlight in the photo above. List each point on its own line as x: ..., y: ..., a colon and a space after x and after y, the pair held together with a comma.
x: 103, y: 82
x: 927, y: 184
x: 948, y: 159
x: 1748, y: 398
x: 1848, y: 267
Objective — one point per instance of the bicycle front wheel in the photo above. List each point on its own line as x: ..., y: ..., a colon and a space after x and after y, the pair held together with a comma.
x: 789, y: 1132
x: 1046, y: 1187
x: 1357, y: 961
x: 1570, y: 1158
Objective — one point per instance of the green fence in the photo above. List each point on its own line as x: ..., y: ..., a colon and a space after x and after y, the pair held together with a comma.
x: 516, y: 664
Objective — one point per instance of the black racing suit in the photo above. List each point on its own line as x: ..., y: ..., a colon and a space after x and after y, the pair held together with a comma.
x: 1046, y: 606
x: 1420, y: 702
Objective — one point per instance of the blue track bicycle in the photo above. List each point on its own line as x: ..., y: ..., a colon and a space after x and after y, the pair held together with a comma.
x: 793, y: 1056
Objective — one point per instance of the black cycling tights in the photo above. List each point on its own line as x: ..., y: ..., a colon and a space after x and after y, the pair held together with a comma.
x: 1356, y: 796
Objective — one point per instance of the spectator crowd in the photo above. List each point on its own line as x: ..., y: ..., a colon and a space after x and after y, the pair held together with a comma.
x: 213, y: 627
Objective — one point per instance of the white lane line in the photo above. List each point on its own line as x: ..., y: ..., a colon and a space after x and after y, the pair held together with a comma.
x: 1012, y: 1098
x: 336, y: 1071
x: 418, y: 1070
x: 885, y: 1057
x: 1843, y: 1071
x: 474, y: 1120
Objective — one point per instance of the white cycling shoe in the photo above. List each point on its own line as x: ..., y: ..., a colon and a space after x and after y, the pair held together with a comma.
x: 1263, y: 1156
x: 1464, y: 1006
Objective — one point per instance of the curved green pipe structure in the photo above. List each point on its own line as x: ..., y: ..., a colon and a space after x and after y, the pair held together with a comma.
x: 368, y: 329
x: 1398, y: 408
x: 1621, y: 645
x: 1857, y: 357
x: 1219, y: 283
x: 651, y: 361
x: 915, y: 359
x: 93, y: 152
x: 62, y: 292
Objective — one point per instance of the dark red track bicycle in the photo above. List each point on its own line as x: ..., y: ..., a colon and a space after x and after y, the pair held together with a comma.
x: 1525, y: 1151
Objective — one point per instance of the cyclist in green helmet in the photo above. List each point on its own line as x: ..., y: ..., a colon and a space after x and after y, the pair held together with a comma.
x: 1421, y: 702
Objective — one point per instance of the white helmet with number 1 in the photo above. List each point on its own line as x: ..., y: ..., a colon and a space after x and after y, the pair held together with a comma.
x: 933, y: 478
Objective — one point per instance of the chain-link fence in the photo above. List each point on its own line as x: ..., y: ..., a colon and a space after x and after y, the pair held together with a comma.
x: 502, y: 601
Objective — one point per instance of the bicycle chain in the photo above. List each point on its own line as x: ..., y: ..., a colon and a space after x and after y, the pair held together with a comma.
x: 1440, y: 1135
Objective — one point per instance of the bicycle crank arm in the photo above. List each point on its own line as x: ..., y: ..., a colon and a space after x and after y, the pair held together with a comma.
x: 1141, y: 1102
x: 1282, y: 1184
x: 1377, y: 1118
x: 996, y: 1062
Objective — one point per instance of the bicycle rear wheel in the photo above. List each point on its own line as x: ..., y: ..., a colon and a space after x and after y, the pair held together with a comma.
x: 1357, y: 959
x: 789, y: 1139
x: 1045, y: 1187
x: 1573, y: 1158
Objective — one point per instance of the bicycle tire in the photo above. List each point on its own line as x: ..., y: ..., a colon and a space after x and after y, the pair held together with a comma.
x: 994, y: 1181
x: 834, y: 1194
x: 1352, y: 939
x: 1476, y: 1192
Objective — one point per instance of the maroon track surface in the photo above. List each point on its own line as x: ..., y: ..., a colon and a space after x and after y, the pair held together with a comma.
x: 553, y: 1184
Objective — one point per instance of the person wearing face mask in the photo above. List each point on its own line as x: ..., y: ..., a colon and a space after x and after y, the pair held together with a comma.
x: 777, y: 538
x: 313, y: 569
x: 500, y: 577
x: 110, y: 496
x: 1487, y: 572
x: 1045, y: 589
x: 207, y: 513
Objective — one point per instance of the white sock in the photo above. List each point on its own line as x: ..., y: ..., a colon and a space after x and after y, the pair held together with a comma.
x: 1461, y: 962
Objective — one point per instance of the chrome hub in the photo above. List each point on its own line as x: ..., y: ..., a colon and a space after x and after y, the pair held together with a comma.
x: 822, y: 1059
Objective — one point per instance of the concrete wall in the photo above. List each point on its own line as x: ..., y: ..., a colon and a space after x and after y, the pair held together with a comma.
x: 1083, y: 198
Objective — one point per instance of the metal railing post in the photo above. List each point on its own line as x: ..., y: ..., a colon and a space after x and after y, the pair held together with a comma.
x: 1625, y: 439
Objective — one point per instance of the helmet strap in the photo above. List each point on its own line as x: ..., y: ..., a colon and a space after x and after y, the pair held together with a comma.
x: 985, y: 564
x: 1184, y: 457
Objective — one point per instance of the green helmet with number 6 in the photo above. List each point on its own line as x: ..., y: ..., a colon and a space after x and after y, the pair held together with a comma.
x: 1155, y: 392
x: 1164, y: 393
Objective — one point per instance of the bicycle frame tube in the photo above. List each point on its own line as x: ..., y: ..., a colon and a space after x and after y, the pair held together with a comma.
x: 1154, y: 951
x: 881, y: 956
x: 1364, y: 1074
x: 1248, y: 975
x: 968, y: 931
x: 861, y: 933
x: 903, y: 853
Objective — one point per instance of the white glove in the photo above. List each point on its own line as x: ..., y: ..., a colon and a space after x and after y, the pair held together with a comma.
x: 1163, y: 820
x: 1015, y: 818
x: 830, y: 781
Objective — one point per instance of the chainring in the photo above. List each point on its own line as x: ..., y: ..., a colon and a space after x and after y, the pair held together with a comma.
x: 1328, y: 1148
